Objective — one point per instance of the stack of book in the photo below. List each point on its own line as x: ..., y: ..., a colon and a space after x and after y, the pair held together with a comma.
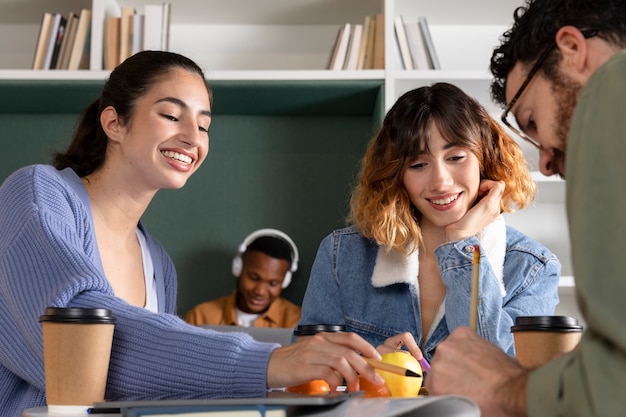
x: 416, y: 45
x: 359, y: 46
x: 100, y: 37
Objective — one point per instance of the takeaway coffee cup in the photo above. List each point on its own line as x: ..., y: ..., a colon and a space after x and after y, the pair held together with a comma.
x: 539, y: 339
x: 76, y: 349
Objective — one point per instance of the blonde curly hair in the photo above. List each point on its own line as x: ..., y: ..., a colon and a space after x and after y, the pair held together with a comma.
x: 380, y: 206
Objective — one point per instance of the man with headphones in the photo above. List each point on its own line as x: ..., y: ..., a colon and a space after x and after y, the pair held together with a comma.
x: 264, y: 264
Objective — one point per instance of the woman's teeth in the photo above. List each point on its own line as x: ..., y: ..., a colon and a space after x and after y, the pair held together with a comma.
x: 177, y: 156
x: 443, y: 201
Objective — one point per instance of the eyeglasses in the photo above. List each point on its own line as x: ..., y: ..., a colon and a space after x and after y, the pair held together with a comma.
x: 535, y: 68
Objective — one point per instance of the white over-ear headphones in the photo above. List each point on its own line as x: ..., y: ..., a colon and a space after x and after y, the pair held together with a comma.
x: 238, y: 262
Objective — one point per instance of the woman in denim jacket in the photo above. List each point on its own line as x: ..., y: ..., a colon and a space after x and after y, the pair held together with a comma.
x: 434, y: 182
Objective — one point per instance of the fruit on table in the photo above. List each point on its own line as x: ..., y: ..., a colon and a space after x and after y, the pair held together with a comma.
x: 315, y: 387
x: 400, y: 385
x: 373, y: 391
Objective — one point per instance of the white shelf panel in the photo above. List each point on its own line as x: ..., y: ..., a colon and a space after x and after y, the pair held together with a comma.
x: 215, y: 75
x: 460, y: 12
x: 267, y: 12
x: 539, y: 177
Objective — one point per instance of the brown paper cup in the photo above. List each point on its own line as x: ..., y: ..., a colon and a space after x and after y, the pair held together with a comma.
x: 539, y: 339
x: 77, y: 349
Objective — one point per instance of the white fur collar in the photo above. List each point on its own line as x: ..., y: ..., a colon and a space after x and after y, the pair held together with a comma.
x: 392, y: 267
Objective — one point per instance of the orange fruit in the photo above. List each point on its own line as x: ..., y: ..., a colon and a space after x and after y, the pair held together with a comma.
x: 373, y: 391
x: 315, y: 387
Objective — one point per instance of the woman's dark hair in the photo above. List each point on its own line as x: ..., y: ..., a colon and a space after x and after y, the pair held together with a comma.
x: 127, y: 83
x: 535, y: 27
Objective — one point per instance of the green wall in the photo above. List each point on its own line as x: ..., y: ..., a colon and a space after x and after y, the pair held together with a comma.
x: 282, y: 155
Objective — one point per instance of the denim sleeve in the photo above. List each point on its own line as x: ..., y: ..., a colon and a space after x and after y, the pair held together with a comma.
x: 530, y: 281
x: 322, y: 302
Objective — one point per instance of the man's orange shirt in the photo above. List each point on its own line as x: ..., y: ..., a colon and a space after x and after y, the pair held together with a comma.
x: 221, y: 311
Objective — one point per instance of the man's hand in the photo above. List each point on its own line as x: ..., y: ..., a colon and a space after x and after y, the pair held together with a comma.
x: 465, y: 364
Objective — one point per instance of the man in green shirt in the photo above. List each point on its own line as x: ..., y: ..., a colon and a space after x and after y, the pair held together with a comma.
x: 560, y: 73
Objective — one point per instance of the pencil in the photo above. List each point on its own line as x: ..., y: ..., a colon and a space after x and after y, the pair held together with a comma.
x: 474, y: 294
x: 384, y: 366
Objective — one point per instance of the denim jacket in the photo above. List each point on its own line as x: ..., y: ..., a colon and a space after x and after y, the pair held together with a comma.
x: 374, y: 292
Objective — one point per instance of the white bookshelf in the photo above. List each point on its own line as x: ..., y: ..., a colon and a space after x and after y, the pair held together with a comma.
x: 292, y: 40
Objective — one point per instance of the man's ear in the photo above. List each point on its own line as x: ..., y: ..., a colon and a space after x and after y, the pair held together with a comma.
x: 110, y: 121
x: 575, y: 54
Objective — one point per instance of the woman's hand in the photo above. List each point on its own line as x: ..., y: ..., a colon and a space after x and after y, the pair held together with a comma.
x: 332, y: 357
x: 483, y: 213
x: 396, y: 342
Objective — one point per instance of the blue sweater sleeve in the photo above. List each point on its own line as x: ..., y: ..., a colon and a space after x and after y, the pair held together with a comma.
x: 49, y: 257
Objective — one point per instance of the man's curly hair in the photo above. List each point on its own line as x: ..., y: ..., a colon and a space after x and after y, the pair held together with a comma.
x: 534, y: 29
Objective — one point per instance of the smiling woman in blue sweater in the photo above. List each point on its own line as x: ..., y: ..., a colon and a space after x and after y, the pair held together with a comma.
x: 70, y: 235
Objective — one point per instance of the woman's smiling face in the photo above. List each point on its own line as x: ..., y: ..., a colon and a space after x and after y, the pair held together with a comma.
x: 167, y: 137
x: 442, y: 183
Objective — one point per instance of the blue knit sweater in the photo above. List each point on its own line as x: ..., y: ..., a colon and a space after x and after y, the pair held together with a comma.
x: 49, y: 257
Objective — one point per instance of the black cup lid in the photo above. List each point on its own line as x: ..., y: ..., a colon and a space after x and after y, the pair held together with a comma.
x: 546, y: 323
x: 78, y: 315
x: 311, y: 329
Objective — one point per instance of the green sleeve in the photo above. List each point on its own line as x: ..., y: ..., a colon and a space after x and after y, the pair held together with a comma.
x: 592, y: 380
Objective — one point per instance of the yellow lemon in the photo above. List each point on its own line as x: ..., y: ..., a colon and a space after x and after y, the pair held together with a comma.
x: 402, y: 386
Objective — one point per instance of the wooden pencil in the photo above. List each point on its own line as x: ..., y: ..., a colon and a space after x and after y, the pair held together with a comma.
x: 389, y: 367
x: 474, y: 293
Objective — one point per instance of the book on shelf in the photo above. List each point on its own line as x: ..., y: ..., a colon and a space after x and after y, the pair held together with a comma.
x: 417, y: 48
x: 45, y: 31
x: 359, y: 46
x: 112, y: 42
x: 379, y: 42
x: 89, y: 39
x: 352, y: 55
x: 137, y: 41
x: 126, y: 33
x: 100, y: 11
x: 338, y: 56
x: 362, y: 57
x: 156, y: 26
x: 368, y: 60
x: 165, y: 26
x: 68, y: 41
x: 153, y: 17
x: 54, y: 43
x: 430, y: 46
x: 403, y: 43
x: 79, y: 55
